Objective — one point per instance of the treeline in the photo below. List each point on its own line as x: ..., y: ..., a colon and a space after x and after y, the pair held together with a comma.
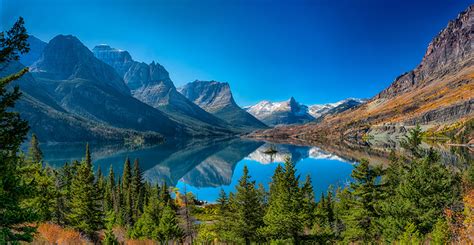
x: 414, y: 200
x: 73, y: 196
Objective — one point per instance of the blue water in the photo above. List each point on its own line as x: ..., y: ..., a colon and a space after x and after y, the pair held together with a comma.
x: 204, y: 167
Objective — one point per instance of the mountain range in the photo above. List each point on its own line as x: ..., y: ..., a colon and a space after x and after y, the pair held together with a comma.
x: 293, y: 112
x: 437, y: 94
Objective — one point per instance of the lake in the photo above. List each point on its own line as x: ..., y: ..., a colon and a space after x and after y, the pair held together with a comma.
x: 203, y: 167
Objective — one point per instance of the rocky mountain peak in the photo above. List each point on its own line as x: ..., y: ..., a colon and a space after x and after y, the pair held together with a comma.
x: 209, y: 95
x: 66, y: 58
x: 449, y: 51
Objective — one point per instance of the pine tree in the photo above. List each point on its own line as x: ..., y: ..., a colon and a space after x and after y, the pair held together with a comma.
x: 126, y: 208
x: 168, y: 227
x: 308, y: 203
x: 361, y: 219
x: 109, y: 195
x: 147, y: 225
x: 283, y: 217
x: 222, y: 201
x: 249, y: 210
x: 109, y: 236
x: 137, y: 190
x: 13, y: 190
x: 34, y: 152
x: 85, y: 214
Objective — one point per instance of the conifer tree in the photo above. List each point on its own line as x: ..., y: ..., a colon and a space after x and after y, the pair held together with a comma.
x: 168, y: 227
x: 109, y: 236
x: 283, y: 218
x: 360, y: 220
x: 85, y: 214
x: 222, y: 201
x: 126, y: 208
x: 308, y: 203
x: 249, y: 211
x: 34, y: 152
x: 14, y: 218
x: 109, y: 194
x: 137, y: 190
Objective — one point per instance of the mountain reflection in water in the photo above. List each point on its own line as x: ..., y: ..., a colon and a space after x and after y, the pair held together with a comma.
x: 205, y: 166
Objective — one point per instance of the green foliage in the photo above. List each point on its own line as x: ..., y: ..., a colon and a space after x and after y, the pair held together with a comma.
x: 168, y: 227
x: 109, y: 236
x: 440, y: 234
x: 13, y: 190
x: 86, y: 214
x: 284, y: 217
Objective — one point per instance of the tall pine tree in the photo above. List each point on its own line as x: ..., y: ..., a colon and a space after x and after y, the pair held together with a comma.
x: 14, y: 218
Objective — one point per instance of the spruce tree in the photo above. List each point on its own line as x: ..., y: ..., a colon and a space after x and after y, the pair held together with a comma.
x: 136, y: 190
x: 308, y: 203
x: 360, y: 221
x: 249, y: 210
x: 168, y: 227
x: 34, y: 152
x: 85, y: 214
x: 284, y: 217
x: 109, y: 195
x: 14, y: 218
x: 222, y: 201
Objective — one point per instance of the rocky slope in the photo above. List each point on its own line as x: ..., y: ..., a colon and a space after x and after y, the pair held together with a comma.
x: 151, y: 84
x: 52, y: 123
x: 278, y: 113
x: 68, y: 78
x: 437, y: 93
x: 216, y: 98
x: 292, y: 112
x: 321, y: 111
x: 36, y: 49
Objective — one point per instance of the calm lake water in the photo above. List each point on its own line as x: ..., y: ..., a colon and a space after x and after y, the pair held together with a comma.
x: 203, y: 167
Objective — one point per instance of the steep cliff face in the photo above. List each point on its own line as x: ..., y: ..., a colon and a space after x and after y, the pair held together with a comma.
x: 66, y: 58
x: 437, y: 92
x: 36, y: 49
x: 216, y: 98
x: 86, y: 87
x: 449, y: 52
x: 151, y: 84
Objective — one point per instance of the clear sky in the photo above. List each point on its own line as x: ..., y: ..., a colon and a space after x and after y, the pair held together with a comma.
x: 317, y: 51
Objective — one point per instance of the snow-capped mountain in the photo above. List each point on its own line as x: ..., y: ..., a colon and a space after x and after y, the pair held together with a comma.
x: 277, y: 113
x: 292, y: 112
x: 321, y: 110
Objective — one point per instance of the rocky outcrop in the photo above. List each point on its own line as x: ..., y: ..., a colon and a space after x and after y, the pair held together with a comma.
x: 74, y: 81
x: 449, y: 52
x: 36, y: 49
x: 216, y: 98
x: 281, y: 113
x: 151, y: 84
x: 66, y: 58
x: 437, y: 92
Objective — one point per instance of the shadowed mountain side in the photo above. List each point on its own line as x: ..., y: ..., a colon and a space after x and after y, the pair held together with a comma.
x: 151, y: 84
x: 86, y: 87
x: 218, y: 169
x: 54, y: 124
x: 217, y: 99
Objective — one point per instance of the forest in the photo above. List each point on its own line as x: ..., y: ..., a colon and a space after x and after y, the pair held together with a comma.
x: 413, y: 200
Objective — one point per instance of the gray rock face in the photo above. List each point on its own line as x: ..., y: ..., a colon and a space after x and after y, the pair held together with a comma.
x: 278, y: 113
x: 86, y: 87
x: 36, y: 49
x: 151, y: 84
x: 66, y: 58
x: 216, y: 98
x: 52, y: 123
x: 449, y: 51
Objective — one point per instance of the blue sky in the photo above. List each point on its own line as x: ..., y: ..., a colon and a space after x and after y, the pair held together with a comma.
x: 317, y: 51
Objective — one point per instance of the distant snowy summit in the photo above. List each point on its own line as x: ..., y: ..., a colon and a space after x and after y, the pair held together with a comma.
x: 293, y: 112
